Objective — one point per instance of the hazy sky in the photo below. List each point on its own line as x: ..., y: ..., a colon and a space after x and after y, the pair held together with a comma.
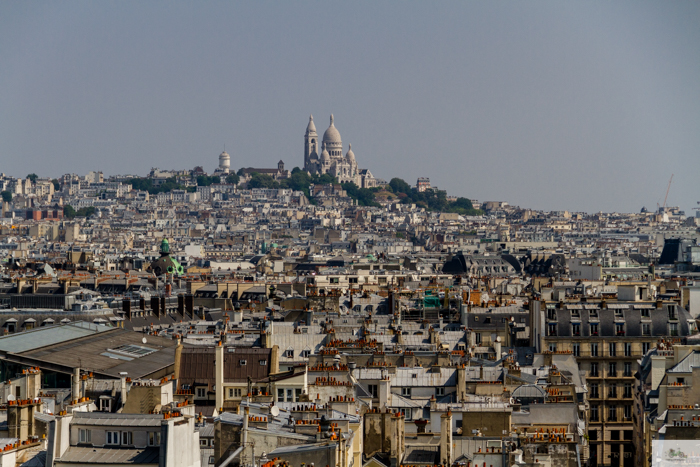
x: 583, y: 106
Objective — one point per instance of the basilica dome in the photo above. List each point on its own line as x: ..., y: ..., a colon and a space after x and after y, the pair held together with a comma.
x: 350, y: 156
x: 332, y: 136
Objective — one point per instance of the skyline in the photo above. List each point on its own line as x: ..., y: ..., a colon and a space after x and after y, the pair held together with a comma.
x: 580, y: 107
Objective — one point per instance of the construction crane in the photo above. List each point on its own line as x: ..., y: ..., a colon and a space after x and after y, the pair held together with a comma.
x: 663, y: 208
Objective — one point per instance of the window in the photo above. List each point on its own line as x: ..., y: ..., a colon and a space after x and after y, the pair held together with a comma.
x: 594, y: 413
x: 672, y: 312
x: 628, y: 349
x: 201, y: 392
x: 290, y: 395
x: 576, y: 329
x: 594, y: 329
x: 620, y: 329
x: 594, y: 350
x: 297, y: 394
x: 628, y: 369
x: 646, y: 329
x: 594, y: 391
x: 85, y: 436
x: 126, y: 438
x: 478, y: 338
x: 280, y: 395
x: 439, y: 391
x: 112, y: 437
x: 406, y: 392
x: 202, y: 442
x: 154, y: 438
x: 237, y: 392
x: 552, y: 346
x: 628, y: 390
x: 594, y: 369
x: 262, y: 362
x: 612, y: 369
x: 612, y: 413
x: 577, y: 350
x: 487, y: 320
x: 645, y: 313
x: 628, y: 412
x: 552, y: 329
x: 230, y: 392
x: 673, y: 329
x: 131, y: 350
x: 242, y: 362
x: 305, y: 353
x: 645, y: 347
x: 612, y: 391
x: 611, y: 349
x: 289, y: 353
x: 372, y: 390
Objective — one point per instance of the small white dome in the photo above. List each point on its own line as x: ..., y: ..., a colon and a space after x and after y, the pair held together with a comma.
x: 311, y: 128
x: 324, y: 155
x: 350, y: 156
x: 332, y: 135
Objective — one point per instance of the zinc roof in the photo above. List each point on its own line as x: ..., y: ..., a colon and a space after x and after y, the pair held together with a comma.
x: 118, y: 419
x: 91, y: 455
x: 41, y: 337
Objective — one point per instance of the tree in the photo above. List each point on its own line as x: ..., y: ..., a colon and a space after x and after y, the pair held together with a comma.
x: 233, y: 179
x: 32, y: 177
x: 258, y: 180
x: 399, y: 186
x: 69, y: 212
x: 363, y: 196
x: 204, y: 180
x: 6, y: 196
x: 85, y: 212
x: 56, y: 185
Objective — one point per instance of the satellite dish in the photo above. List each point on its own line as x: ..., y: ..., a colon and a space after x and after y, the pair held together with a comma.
x: 274, y: 411
x: 144, y: 340
x: 10, y: 397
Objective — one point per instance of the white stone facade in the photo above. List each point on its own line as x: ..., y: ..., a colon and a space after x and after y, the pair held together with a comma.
x: 331, y: 159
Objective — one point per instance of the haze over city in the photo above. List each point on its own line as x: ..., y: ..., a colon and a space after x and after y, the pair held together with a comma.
x: 548, y: 105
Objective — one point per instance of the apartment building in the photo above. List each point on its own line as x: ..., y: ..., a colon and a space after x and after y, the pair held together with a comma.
x: 608, y: 338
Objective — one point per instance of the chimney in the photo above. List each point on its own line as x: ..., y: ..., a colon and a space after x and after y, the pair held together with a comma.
x: 246, y: 415
x: 178, y: 359
x: 126, y: 306
x: 155, y: 305
x: 189, y: 305
x: 219, y: 390
x: 238, y: 316
x: 75, y: 392
x: 446, y: 438
x: 122, y: 376
x: 385, y: 398
x: 497, y: 348
x: 461, y: 383
x: 181, y: 305
x: 275, y: 359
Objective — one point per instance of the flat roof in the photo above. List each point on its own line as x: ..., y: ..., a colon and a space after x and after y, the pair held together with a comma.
x: 40, y: 337
x: 106, y: 351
